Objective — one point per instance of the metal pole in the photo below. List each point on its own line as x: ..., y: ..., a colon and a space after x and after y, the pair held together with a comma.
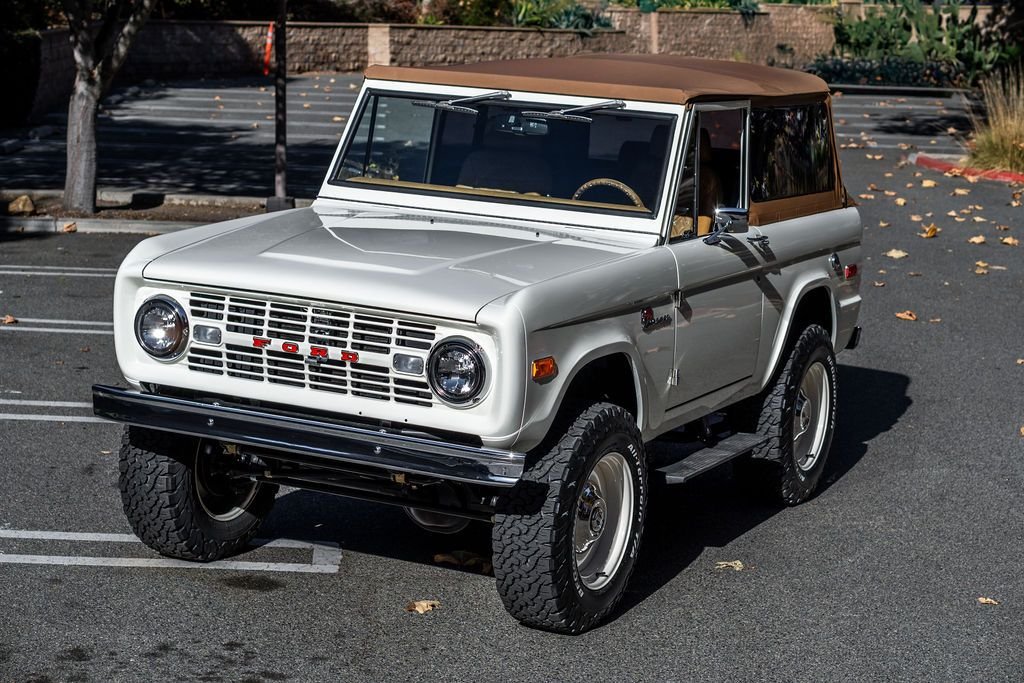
x: 280, y: 102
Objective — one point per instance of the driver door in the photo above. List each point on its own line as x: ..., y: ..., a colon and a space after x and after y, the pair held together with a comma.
x: 719, y: 298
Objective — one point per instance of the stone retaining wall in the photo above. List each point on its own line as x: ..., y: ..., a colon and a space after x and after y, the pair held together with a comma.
x: 788, y: 35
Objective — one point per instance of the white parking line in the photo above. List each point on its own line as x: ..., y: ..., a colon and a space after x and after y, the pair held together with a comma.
x: 58, y: 273
x: 54, y: 321
x: 32, y: 417
x: 326, y: 556
x: 48, y: 404
x: 52, y: 330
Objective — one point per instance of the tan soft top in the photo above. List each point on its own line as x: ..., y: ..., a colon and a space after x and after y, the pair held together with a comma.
x: 650, y: 78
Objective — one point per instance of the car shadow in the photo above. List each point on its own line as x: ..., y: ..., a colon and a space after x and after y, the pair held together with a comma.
x: 682, y: 521
x: 711, y: 511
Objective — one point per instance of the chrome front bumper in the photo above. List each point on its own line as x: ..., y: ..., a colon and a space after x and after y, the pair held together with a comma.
x: 312, y: 438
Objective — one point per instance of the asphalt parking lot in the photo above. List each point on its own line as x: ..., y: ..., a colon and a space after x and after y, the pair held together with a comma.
x: 217, y: 136
x: 877, y: 578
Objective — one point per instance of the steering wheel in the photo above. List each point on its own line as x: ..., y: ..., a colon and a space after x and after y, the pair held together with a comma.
x: 611, y: 182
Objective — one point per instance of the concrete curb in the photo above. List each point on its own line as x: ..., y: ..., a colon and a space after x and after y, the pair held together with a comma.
x: 912, y: 90
x: 945, y: 165
x: 127, y: 196
x: 12, y: 225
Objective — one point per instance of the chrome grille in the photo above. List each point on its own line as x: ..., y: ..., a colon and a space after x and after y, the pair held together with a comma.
x: 315, y: 323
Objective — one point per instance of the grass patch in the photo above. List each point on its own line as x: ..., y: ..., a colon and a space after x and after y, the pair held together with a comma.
x: 999, y: 138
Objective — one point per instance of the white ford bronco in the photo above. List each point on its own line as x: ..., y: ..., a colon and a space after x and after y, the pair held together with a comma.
x: 515, y: 275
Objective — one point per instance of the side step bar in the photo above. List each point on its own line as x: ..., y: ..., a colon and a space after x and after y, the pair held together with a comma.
x: 708, y: 458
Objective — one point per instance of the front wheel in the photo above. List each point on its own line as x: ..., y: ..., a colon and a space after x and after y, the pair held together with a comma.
x: 566, y: 537
x: 180, y: 499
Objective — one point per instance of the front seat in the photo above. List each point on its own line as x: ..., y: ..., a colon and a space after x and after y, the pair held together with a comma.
x: 710, y: 186
x: 505, y: 161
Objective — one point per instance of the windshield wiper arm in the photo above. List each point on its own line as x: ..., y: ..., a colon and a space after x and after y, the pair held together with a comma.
x: 458, y: 105
x: 574, y: 113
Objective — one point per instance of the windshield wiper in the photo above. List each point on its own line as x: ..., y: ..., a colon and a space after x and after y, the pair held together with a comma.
x: 457, y: 105
x: 573, y: 113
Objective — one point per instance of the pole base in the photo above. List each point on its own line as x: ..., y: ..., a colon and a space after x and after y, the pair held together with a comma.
x: 280, y: 203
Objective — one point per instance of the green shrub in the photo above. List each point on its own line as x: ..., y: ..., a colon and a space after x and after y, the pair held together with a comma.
x: 886, y: 71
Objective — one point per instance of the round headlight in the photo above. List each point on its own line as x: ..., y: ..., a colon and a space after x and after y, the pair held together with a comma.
x: 456, y: 371
x: 162, y: 327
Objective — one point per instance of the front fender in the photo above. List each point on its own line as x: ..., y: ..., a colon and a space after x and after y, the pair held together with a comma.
x: 804, y: 283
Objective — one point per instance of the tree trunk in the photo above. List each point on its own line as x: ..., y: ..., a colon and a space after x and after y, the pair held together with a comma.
x: 80, y: 181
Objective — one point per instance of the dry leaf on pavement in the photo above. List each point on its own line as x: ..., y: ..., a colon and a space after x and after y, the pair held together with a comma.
x: 916, y: 217
x: 422, y: 606
x: 883, y: 224
x: 981, y: 271
x: 900, y: 201
x: 930, y: 231
x: 977, y: 239
x: 1009, y: 241
x: 735, y: 565
x: 896, y: 254
x: 987, y: 601
x: 928, y: 182
x: 980, y: 219
x: 9, y: 319
x: 907, y: 315
x: 960, y: 191
x: 1020, y: 361
x: 71, y: 227
x: 935, y: 320
x: 337, y: 119
x: 878, y: 283
x: 865, y: 195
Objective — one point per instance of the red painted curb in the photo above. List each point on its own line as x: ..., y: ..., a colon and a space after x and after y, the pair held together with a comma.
x: 946, y: 166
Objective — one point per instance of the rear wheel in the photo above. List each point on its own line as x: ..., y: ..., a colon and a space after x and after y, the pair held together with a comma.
x: 181, y: 501
x: 566, y: 537
x: 798, y: 415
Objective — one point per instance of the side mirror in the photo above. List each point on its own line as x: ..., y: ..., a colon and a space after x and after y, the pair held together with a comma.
x: 727, y: 220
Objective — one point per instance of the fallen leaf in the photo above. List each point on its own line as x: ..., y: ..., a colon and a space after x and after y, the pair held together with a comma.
x: 422, y: 606
x: 903, y: 146
x: 1022, y: 431
x: 971, y: 178
x: 216, y: 98
x: 878, y: 283
x: 896, y: 254
x: 979, y: 219
x: 1020, y: 361
x: 876, y: 157
x: 866, y: 196
x: 980, y: 271
x: 981, y: 264
x: 1002, y: 227
x: 306, y: 105
x: 71, y: 227
x: 337, y: 119
x: 84, y: 349
x: 959, y: 219
x: 987, y: 601
x: 952, y: 213
x: 930, y: 231
x: 907, y: 315
x: 9, y: 319
x: 960, y: 191
x: 105, y: 452
x: 913, y: 274
x: 1015, y: 202
x: 900, y: 201
x: 887, y: 174
x: 935, y: 320
x: 883, y: 224
x: 1009, y: 241
x: 977, y: 239
x: 889, y: 193
x: 873, y: 187
x: 928, y: 182
x: 916, y: 217
x: 735, y: 565
x: 882, y: 271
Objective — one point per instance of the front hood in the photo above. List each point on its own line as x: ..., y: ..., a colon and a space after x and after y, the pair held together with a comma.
x: 393, y: 261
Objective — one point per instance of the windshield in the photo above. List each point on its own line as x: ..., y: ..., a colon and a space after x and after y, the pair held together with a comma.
x: 597, y: 158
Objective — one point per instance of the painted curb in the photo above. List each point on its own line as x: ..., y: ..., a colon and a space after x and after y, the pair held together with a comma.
x: 925, y: 161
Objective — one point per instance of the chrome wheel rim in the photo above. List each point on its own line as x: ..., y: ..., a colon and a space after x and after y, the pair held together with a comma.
x: 603, y: 521
x: 810, y: 416
x: 224, y: 499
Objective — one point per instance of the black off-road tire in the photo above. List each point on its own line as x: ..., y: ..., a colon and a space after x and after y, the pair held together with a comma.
x: 534, y: 558
x: 159, y: 494
x: 771, y: 472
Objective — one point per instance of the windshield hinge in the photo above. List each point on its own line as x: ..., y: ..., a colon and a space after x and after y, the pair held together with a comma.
x: 673, y: 378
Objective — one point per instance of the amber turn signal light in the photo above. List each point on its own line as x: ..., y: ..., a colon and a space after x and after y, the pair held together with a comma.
x: 543, y: 368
